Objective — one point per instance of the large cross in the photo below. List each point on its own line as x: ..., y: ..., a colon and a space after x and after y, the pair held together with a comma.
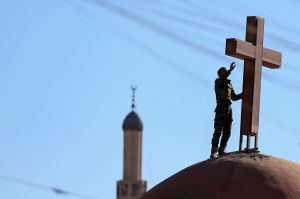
x: 255, y: 56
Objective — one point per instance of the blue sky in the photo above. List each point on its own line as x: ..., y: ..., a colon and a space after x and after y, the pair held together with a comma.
x: 66, y: 67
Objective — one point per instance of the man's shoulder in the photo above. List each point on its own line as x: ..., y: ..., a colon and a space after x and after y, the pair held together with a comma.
x: 222, y: 82
x: 219, y: 83
x: 218, y: 80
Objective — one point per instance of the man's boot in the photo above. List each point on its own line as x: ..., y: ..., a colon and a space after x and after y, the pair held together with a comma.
x: 221, y: 151
x: 213, y: 153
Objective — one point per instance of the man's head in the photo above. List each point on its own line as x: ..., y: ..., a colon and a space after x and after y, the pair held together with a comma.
x: 223, y: 72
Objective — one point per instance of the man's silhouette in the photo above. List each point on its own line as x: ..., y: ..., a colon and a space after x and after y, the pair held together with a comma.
x: 223, y: 118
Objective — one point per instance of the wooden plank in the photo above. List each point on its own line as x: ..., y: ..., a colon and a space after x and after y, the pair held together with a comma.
x: 271, y: 58
x: 248, y: 142
x: 252, y: 78
x: 259, y: 23
x: 255, y: 56
x: 246, y: 50
x: 239, y: 49
x: 247, y: 102
x: 241, y: 143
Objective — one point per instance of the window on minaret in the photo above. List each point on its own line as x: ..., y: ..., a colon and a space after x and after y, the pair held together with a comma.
x: 143, y: 188
x: 135, y: 189
x: 118, y: 190
x: 124, y: 190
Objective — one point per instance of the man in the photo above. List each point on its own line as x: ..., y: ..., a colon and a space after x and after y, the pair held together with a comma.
x: 223, y: 118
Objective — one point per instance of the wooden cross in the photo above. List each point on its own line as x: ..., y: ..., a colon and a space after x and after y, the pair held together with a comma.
x: 255, y: 56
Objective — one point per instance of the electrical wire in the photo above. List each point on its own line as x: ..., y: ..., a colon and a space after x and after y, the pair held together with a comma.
x: 199, y: 25
x: 214, y: 29
x: 208, y: 14
x: 181, y: 69
x: 126, y: 13
x: 157, y: 28
x: 55, y: 190
x: 144, y: 47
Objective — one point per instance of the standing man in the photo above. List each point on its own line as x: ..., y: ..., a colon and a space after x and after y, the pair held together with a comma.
x: 223, y: 118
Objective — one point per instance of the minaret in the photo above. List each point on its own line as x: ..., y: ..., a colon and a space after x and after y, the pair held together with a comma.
x: 132, y: 186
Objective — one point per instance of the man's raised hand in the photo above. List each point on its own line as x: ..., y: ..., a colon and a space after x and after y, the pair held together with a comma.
x: 232, y: 66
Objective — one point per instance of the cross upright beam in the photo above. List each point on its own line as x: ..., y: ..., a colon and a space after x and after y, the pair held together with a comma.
x: 255, y: 56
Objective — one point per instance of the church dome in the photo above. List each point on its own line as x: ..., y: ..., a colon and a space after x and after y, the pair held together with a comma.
x: 133, y: 122
x: 234, y: 176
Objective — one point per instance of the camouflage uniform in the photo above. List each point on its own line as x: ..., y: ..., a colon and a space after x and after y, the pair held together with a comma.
x: 223, y: 118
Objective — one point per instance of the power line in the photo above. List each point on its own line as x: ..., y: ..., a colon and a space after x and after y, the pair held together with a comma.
x: 146, y: 48
x: 284, y: 81
x: 213, y: 16
x: 187, y: 22
x: 123, y: 12
x: 203, y: 12
x: 55, y: 190
x: 181, y: 69
x: 291, y: 84
x: 199, y: 25
x: 157, y: 28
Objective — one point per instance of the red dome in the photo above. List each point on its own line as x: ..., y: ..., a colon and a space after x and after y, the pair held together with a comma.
x: 235, y: 176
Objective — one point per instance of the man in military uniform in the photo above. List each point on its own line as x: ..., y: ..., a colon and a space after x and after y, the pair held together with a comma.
x: 223, y: 118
